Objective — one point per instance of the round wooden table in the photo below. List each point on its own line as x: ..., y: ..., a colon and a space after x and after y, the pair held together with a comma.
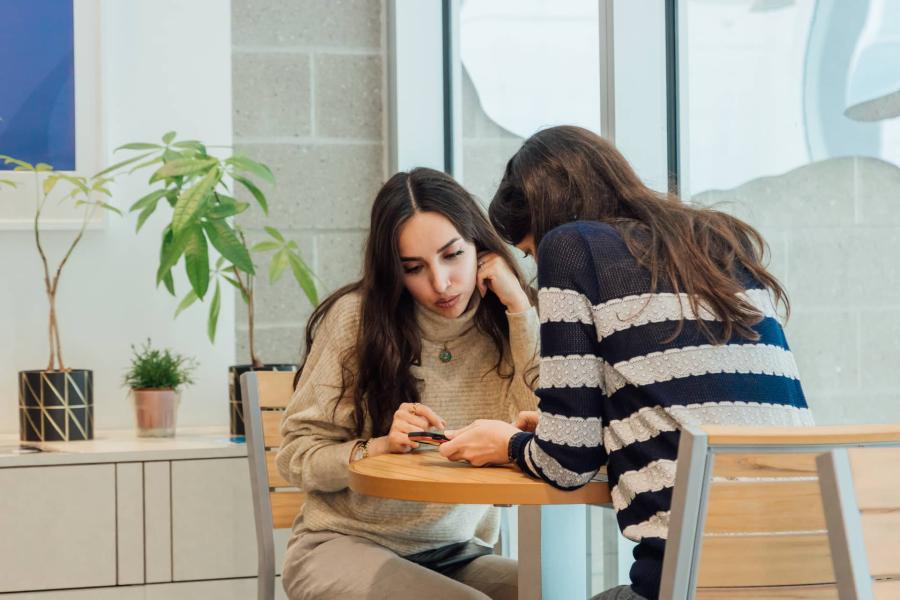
x: 426, y: 476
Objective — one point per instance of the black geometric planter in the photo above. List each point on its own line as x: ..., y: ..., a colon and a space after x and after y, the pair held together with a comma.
x: 56, y: 406
x: 236, y: 408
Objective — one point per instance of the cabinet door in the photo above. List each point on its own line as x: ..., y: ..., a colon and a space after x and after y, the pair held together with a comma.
x: 213, y: 533
x: 58, y: 527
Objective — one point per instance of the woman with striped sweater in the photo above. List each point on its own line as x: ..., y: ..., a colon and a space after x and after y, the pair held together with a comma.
x: 654, y: 314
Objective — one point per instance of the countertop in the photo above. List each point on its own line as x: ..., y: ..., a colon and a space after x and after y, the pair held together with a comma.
x: 113, y: 446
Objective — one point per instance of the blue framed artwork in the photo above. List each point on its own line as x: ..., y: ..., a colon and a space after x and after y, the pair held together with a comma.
x: 37, y: 102
x: 50, y: 98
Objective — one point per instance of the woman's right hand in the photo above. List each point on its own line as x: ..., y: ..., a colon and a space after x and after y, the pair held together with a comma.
x: 407, y: 418
x: 527, y: 420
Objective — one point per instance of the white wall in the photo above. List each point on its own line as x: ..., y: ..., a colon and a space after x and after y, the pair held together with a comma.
x: 166, y: 64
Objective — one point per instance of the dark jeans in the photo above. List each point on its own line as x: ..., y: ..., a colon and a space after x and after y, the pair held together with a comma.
x: 623, y: 592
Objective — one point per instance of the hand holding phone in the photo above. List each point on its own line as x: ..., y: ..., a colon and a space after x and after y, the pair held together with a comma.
x: 431, y: 438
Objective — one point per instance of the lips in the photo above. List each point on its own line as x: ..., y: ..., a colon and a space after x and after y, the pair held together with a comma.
x: 448, y: 302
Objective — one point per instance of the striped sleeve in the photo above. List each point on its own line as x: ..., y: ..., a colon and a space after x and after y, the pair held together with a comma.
x: 566, y: 449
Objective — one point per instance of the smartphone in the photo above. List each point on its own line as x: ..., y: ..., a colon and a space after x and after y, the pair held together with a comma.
x: 428, y: 437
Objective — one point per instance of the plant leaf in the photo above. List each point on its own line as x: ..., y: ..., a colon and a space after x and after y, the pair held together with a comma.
x: 169, y: 282
x: 224, y: 239
x: 183, y: 166
x: 214, y: 314
x: 251, y: 166
x: 42, y: 167
x: 196, y: 260
x: 274, y: 233
x: 145, y: 214
x: 303, y: 275
x: 266, y: 246
x: 277, y: 266
x: 50, y: 183
x: 171, y: 250
x: 152, y: 161
x: 191, y: 201
x: 149, y: 200
x: 21, y: 164
x: 254, y: 191
x: 226, y: 207
x: 168, y: 137
x: 189, y: 299
x: 123, y: 163
x: 110, y: 207
x: 139, y: 146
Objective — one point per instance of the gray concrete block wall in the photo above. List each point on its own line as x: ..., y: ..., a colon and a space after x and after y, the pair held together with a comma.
x: 834, y: 230
x: 308, y: 90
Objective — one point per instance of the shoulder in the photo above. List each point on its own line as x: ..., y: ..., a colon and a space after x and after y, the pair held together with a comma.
x: 570, y: 255
x: 341, y: 324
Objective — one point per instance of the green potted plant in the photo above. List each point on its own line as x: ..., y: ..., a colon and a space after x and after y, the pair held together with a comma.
x: 156, y: 378
x: 193, y: 183
x: 57, y: 403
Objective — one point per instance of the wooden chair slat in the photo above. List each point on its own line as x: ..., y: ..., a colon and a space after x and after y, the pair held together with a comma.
x: 765, y: 560
x: 285, y: 507
x: 734, y: 466
x: 275, y: 388
x: 785, y: 592
x: 275, y: 478
x: 881, y: 535
x: 720, y: 435
x: 886, y: 590
x: 875, y: 488
x: 771, y: 506
x: 271, y: 424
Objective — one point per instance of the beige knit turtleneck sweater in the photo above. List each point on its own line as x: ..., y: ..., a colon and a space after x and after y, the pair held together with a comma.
x: 315, y: 453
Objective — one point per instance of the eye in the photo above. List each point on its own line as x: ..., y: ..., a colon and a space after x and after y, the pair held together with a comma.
x: 412, y: 270
x: 455, y: 254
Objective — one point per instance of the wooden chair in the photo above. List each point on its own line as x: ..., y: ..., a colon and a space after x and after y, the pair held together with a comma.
x: 861, y: 494
x: 747, y: 520
x: 275, y: 501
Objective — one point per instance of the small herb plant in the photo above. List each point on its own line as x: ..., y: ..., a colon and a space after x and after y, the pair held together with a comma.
x: 153, y: 369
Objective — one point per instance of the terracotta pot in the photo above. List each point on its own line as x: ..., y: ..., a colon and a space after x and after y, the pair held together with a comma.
x: 155, y: 411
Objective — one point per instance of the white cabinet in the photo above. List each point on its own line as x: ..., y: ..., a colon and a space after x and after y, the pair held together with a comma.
x: 213, y: 533
x: 122, y: 518
x: 57, y: 527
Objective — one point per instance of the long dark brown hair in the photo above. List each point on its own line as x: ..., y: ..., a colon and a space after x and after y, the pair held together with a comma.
x: 377, y: 368
x: 567, y: 173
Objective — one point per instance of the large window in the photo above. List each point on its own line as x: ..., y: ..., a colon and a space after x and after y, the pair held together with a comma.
x: 790, y: 121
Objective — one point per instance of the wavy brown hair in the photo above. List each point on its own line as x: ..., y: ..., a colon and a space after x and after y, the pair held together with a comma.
x: 376, y: 371
x: 567, y: 173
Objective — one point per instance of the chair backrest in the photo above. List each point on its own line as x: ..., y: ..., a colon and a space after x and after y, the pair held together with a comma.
x: 265, y: 395
x: 747, y: 518
x: 861, y: 495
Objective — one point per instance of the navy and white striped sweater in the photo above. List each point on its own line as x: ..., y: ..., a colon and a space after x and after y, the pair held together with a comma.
x: 614, y: 392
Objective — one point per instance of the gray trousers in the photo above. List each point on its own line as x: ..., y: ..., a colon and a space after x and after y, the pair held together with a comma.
x: 321, y: 566
x: 623, y: 592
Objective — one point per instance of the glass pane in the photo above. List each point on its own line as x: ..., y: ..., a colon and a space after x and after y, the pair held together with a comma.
x: 791, y: 123
x: 527, y: 64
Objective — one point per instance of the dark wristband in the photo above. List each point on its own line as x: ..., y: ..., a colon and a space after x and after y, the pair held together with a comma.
x: 516, y: 443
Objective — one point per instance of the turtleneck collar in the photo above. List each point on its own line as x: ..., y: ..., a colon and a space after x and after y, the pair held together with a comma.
x: 440, y: 329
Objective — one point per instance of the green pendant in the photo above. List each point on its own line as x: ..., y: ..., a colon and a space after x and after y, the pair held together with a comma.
x: 445, y: 355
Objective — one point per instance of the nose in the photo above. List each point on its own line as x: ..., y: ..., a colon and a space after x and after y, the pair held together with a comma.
x: 440, y: 280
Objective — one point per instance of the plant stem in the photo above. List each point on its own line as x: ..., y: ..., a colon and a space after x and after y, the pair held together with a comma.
x: 247, y: 293
x: 48, y: 287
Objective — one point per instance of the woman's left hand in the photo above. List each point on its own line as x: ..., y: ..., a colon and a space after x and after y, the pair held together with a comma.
x: 482, y: 443
x: 496, y: 275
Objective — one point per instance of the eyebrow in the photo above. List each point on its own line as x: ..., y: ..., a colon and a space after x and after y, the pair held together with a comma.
x: 441, y: 249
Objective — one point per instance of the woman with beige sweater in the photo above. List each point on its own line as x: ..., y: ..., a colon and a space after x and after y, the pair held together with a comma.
x: 439, y: 331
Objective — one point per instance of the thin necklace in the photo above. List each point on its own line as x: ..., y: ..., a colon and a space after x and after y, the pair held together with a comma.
x: 445, y: 355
